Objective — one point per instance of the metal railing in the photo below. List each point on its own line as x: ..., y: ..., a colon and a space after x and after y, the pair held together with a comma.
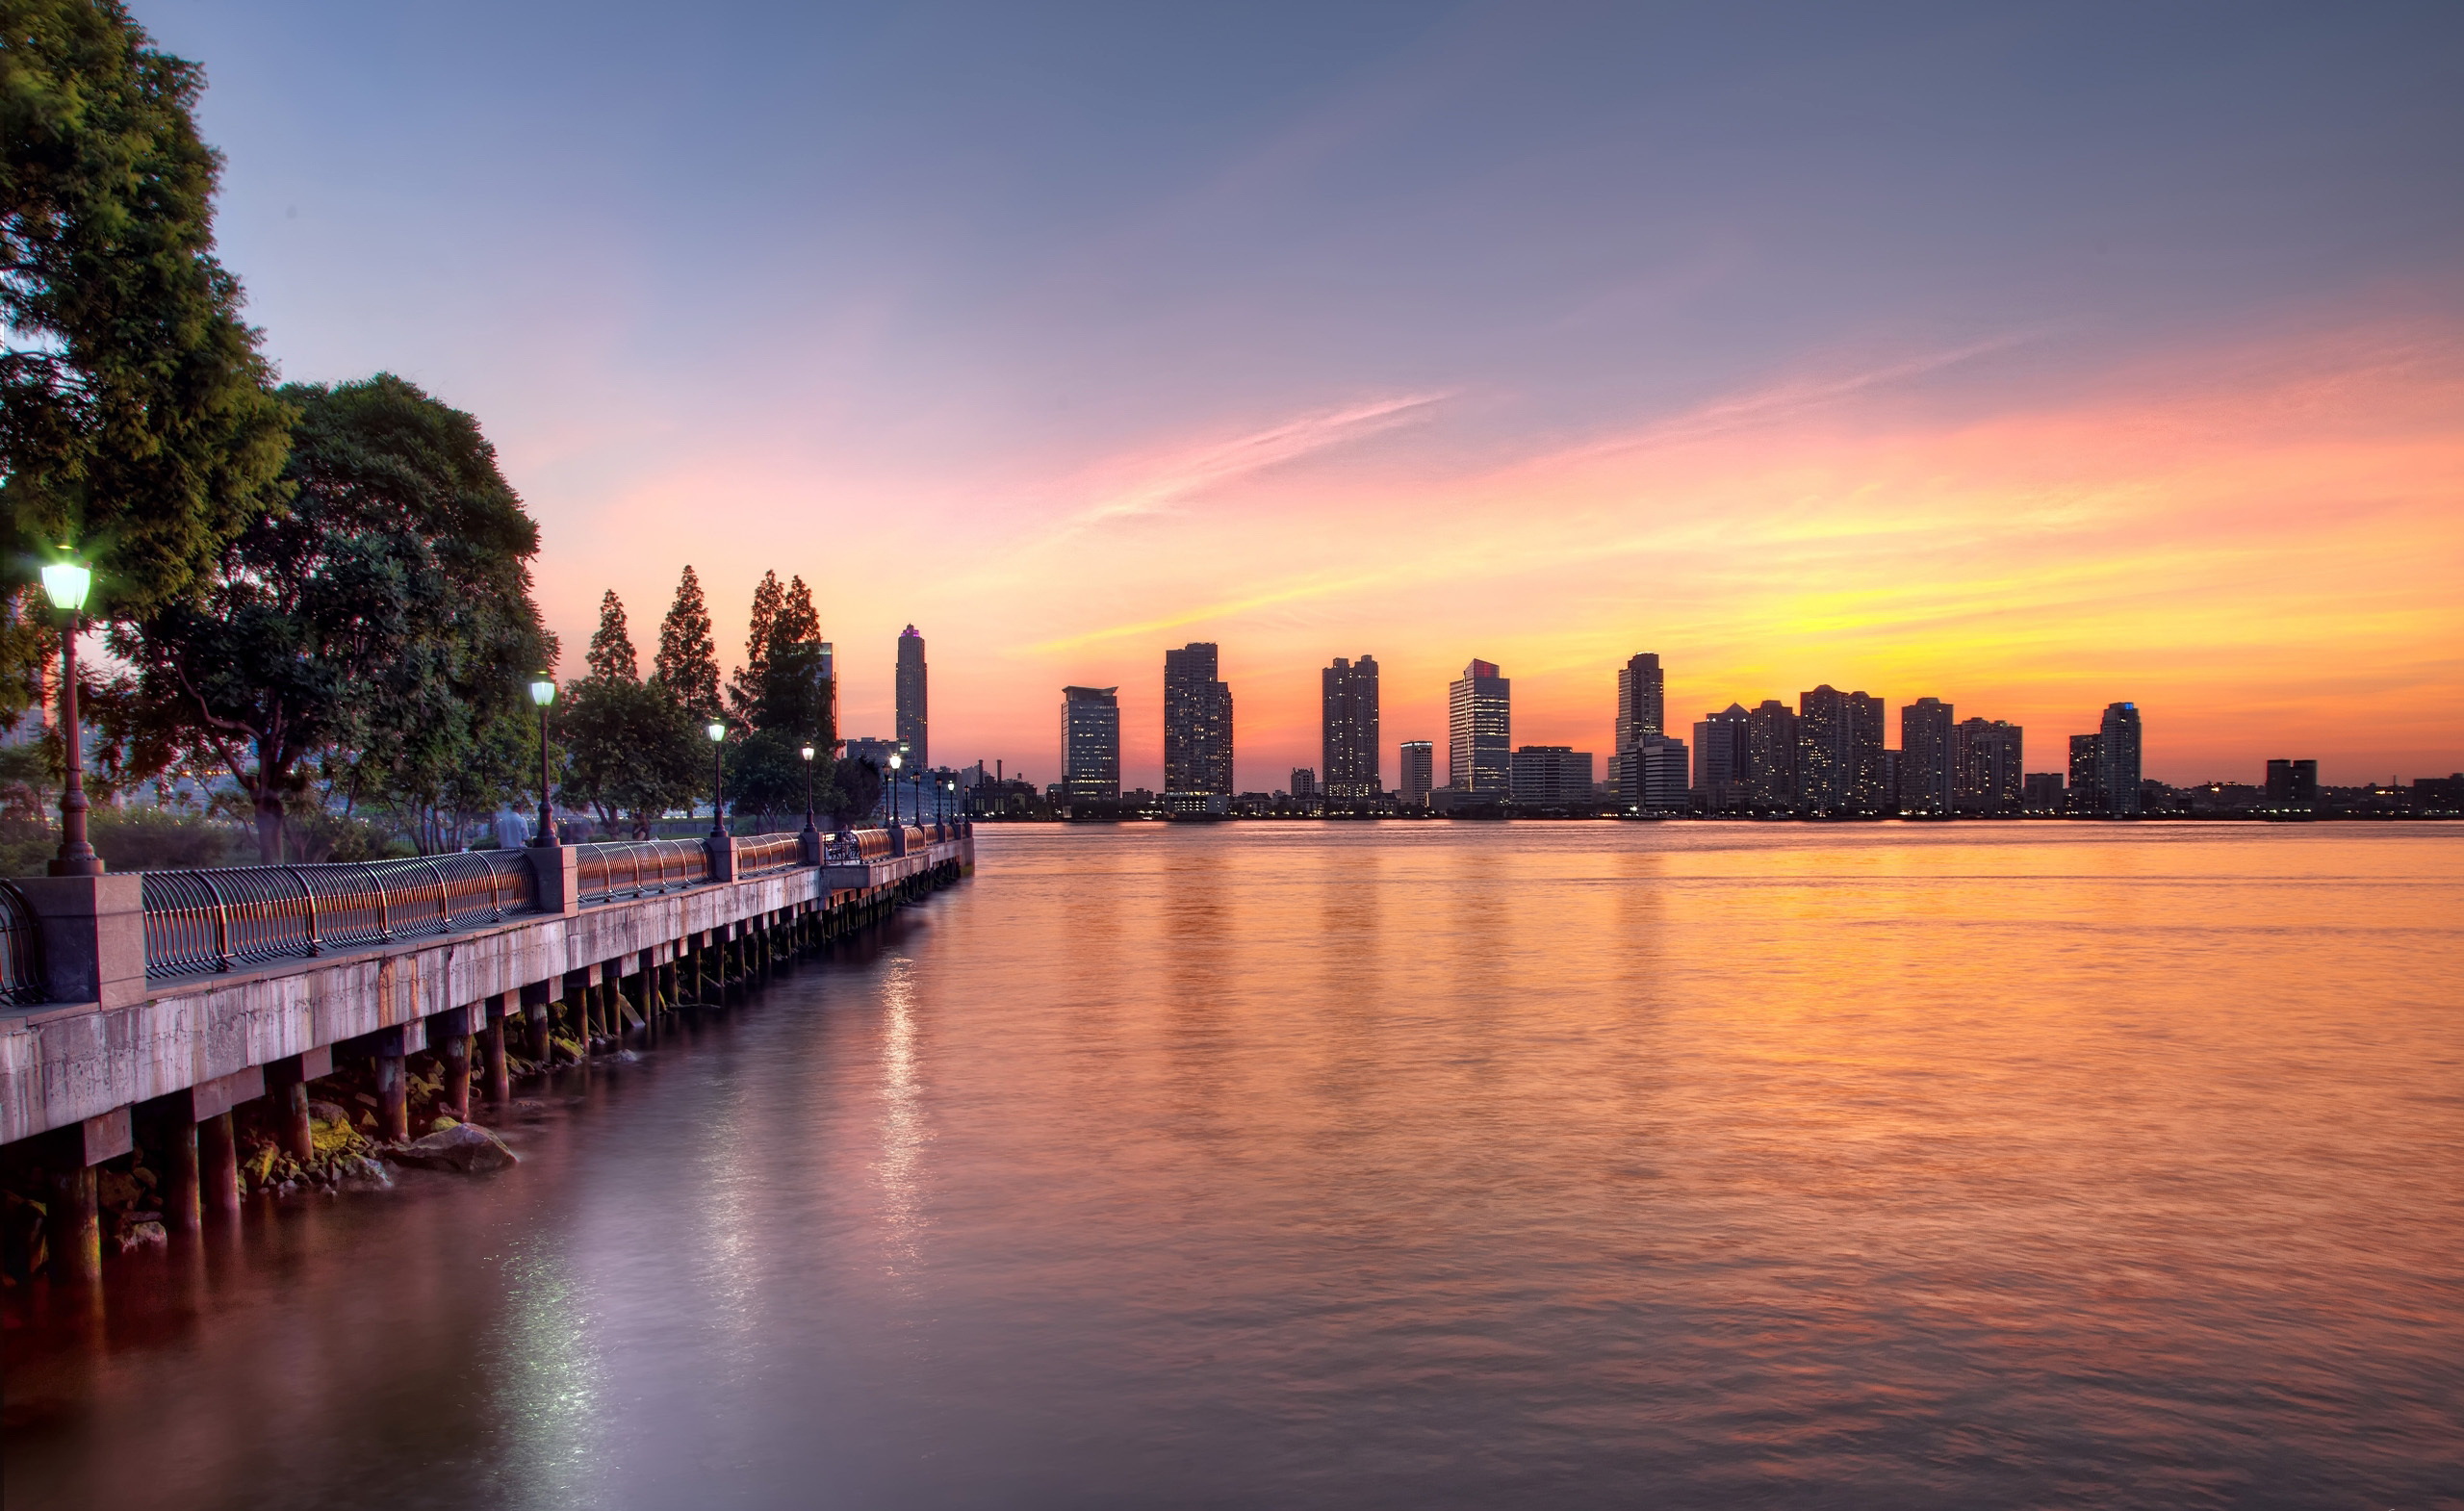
x: 20, y: 951
x: 198, y: 922
x: 760, y: 856
x: 639, y: 868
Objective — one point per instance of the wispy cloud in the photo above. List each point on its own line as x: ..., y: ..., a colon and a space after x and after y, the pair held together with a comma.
x: 1153, y: 483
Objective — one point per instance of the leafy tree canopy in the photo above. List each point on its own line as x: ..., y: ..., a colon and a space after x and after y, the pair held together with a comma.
x: 134, y: 425
x: 384, y: 615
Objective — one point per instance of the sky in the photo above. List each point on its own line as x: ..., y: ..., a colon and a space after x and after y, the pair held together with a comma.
x: 2028, y: 357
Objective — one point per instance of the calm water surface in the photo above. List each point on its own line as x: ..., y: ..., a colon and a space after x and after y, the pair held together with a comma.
x: 1436, y: 1164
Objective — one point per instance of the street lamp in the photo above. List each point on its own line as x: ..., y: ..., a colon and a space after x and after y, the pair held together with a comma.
x: 718, y: 780
x: 894, y: 764
x: 809, y: 827
x: 543, y: 692
x: 65, y: 583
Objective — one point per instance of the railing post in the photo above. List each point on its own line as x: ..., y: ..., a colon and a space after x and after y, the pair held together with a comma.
x: 93, y: 935
x: 556, y: 870
x: 722, y: 848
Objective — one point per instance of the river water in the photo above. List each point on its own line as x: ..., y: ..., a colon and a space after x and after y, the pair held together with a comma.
x: 1438, y: 1165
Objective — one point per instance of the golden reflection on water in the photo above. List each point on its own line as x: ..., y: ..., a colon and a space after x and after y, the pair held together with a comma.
x: 1437, y: 1164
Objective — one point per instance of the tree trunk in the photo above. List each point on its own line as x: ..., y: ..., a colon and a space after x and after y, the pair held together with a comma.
x: 269, y: 824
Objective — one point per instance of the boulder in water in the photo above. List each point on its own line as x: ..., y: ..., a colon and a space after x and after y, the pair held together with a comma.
x: 466, y: 1148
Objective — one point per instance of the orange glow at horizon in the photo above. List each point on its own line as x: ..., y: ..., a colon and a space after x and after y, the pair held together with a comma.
x: 2260, y: 548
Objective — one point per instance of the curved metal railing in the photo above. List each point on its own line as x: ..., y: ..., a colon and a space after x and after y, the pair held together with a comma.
x: 768, y: 853
x: 20, y: 950
x: 639, y: 868
x: 198, y: 922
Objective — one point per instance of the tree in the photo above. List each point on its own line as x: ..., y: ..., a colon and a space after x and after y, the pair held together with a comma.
x: 382, y: 618
x: 744, y: 690
x: 855, y: 787
x: 689, y: 660
x: 796, y: 620
x: 611, y: 647
x: 629, y: 744
x: 134, y: 421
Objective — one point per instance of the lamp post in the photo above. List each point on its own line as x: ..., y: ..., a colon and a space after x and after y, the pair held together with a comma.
x: 543, y: 692
x: 894, y: 764
x: 65, y: 583
x: 718, y: 780
x: 809, y: 827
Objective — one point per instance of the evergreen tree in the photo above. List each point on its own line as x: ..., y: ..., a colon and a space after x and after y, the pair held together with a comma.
x: 611, y: 647
x: 134, y: 421
x: 744, y: 690
x: 689, y: 660
x: 797, y: 624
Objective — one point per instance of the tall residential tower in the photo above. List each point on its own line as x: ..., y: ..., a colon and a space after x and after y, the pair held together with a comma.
x: 1197, y: 724
x: 911, y: 700
x: 1350, y: 731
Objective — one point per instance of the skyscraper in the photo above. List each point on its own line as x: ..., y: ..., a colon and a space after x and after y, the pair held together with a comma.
x: 1638, y: 721
x: 1638, y: 699
x: 1719, y: 759
x: 1419, y: 762
x: 1925, y: 767
x: 1197, y: 724
x: 1771, y: 757
x: 1350, y: 733
x: 911, y: 700
x: 1480, y: 731
x: 1987, y: 774
x: 1840, y: 752
x: 2117, y: 757
x: 2087, y: 774
x: 1090, y: 743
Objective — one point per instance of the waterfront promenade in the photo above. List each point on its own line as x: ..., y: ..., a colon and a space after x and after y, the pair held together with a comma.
x: 151, y: 1007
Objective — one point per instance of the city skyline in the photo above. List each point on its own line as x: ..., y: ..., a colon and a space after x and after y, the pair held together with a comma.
x: 2163, y: 401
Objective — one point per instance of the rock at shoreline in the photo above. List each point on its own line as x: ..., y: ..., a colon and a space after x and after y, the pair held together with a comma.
x: 466, y: 1148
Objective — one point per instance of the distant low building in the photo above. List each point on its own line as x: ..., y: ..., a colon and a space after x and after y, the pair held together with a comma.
x: 2292, y: 786
x: 1419, y: 764
x: 1551, y: 776
x: 2042, y: 793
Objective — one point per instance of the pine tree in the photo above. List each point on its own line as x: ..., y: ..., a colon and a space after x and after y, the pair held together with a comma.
x: 688, y: 660
x: 744, y: 692
x: 798, y: 622
x: 611, y: 647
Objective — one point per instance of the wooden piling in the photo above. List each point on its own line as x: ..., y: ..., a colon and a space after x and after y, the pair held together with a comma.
x: 393, y: 1097
x: 451, y: 1034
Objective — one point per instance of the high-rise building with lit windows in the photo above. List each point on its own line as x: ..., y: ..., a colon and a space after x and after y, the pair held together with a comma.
x: 910, y: 688
x: 1090, y: 743
x: 1419, y: 767
x: 1197, y: 724
x: 1349, y: 744
x: 1479, y: 745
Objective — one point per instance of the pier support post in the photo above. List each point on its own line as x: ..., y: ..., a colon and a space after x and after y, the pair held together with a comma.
x: 500, y: 1074
x: 450, y: 1033
x: 577, y: 1008
x: 393, y: 1097
x: 287, y: 1083
x: 218, y: 1167
x: 534, y: 1016
x: 182, y: 1209
x: 73, y: 1221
